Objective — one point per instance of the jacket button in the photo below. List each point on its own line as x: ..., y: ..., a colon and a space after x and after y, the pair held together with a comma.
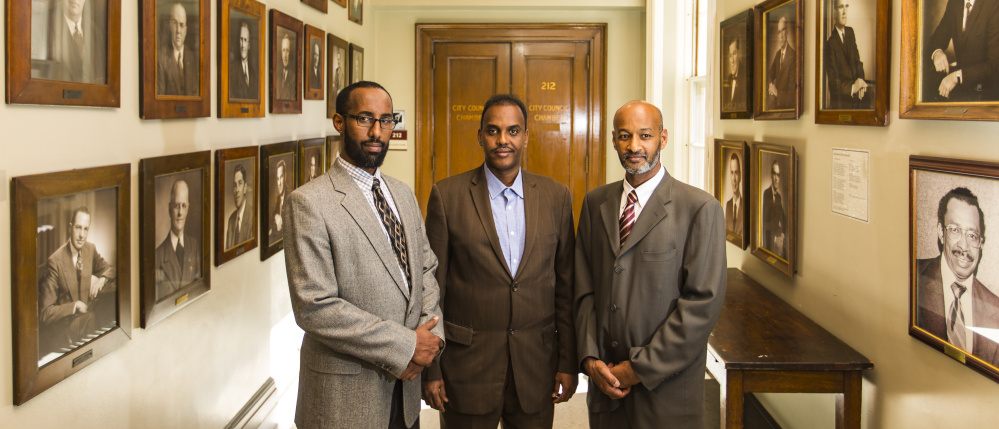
x: 618, y: 269
x: 513, y: 332
x: 614, y: 344
x: 614, y: 307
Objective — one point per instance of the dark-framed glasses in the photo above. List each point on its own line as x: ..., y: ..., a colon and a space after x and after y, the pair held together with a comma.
x: 955, y: 233
x: 369, y: 121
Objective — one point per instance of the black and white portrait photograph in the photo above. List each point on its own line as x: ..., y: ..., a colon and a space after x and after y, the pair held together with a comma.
x: 954, y: 267
x: 313, y: 165
x: 179, y: 224
x: 337, y: 70
x: 69, y: 40
x: 356, y: 63
x: 355, y: 11
x: 774, y: 194
x: 77, y: 284
x: 315, y: 64
x: 960, y: 55
x: 244, y: 65
x: 239, y: 188
x: 178, y: 46
x: 848, y: 54
x: 286, y: 65
x: 781, y: 55
x: 731, y: 188
x: 282, y: 182
x: 737, y: 65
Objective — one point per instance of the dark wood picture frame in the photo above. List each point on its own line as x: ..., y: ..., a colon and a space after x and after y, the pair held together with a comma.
x: 48, y: 80
x: 765, y: 26
x: 974, y: 98
x: 31, y: 198
x: 839, y: 63
x: 168, y: 90
x: 307, y: 148
x: 332, y: 149
x: 286, y: 91
x: 737, y: 230
x: 320, y: 5
x: 271, y: 221
x: 244, y: 100
x: 963, y: 184
x: 355, y: 11
x: 337, y: 58
x: 736, y: 42
x: 356, y: 63
x: 771, y: 220
x: 228, y: 247
x: 167, y: 284
x: 341, y: 3
x: 314, y: 84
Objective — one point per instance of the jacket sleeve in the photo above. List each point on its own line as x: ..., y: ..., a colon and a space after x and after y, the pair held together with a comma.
x: 582, y: 281
x: 437, y: 237
x: 684, y: 335
x: 564, y: 257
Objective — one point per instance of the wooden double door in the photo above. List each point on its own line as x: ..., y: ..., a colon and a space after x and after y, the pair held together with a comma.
x: 556, y: 69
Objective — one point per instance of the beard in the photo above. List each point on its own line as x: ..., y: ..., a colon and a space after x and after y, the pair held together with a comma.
x: 360, y: 157
x: 641, y: 169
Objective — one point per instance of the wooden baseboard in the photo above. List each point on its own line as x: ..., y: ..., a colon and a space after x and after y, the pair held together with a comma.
x: 261, y: 403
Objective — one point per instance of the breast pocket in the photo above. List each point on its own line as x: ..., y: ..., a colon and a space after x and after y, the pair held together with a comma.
x: 659, y: 255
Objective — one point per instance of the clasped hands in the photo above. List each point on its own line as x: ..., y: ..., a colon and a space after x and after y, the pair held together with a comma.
x: 427, y: 346
x: 941, y: 64
x: 615, y: 380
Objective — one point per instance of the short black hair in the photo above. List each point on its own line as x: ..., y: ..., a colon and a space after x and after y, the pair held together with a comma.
x: 238, y: 169
x: 81, y: 209
x: 961, y: 194
x: 503, y: 100
x: 343, y: 98
x: 734, y: 157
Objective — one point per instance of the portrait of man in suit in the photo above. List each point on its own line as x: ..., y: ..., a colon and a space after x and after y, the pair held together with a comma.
x: 177, y: 63
x: 774, y: 214
x: 280, y: 180
x: 844, y: 72
x: 961, y: 56
x: 178, y: 257
x: 312, y: 165
x: 735, y: 207
x: 361, y: 277
x: 356, y: 11
x: 243, y: 64
x: 315, y: 66
x: 77, y: 293
x: 285, y: 79
x: 642, y: 336
x: 507, y: 271
x: 357, y: 65
x: 71, y: 42
x: 734, y: 83
x: 239, y: 228
x: 337, y: 71
x: 783, y: 68
x: 952, y: 300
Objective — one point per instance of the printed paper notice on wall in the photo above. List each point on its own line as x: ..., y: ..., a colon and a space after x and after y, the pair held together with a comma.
x: 851, y: 178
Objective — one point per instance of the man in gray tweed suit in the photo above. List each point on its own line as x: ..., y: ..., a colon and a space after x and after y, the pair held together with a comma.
x: 362, y: 282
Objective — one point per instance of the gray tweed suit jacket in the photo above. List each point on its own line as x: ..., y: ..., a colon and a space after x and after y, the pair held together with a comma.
x: 351, y: 300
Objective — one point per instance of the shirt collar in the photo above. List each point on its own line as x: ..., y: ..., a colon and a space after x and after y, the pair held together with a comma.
x: 359, y: 174
x: 948, y: 277
x: 644, y: 191
x: 73, y: 24
x: 175, y: 239
x: 496, y: 187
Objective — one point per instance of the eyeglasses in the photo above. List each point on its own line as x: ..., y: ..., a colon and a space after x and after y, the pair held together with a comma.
x: 955, y: 233
x: 369, y: 121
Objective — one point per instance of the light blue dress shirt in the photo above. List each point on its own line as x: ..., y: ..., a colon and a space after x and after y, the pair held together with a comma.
x: 508, y: 215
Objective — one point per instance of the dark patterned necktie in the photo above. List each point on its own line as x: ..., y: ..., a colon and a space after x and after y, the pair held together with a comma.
x: 180, y: 254
x: 397, y: 236
x: 79, y: 275
x: 628, y: 217
x: 955, y: 329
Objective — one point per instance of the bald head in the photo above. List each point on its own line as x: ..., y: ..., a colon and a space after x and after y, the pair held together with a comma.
x: 639, y: 109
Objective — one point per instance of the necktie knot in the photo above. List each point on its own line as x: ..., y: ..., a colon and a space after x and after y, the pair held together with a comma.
x: 628, y: 216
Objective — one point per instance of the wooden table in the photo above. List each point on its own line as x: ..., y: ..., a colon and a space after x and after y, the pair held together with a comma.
x: 762, y: 344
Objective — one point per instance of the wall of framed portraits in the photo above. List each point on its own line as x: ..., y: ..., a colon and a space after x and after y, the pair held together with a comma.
x: 199, y: 366
x: 853, y: 276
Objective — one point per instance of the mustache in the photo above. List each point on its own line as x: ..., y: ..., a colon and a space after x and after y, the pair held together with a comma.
x: 640, y: 153
x: 374, y: 140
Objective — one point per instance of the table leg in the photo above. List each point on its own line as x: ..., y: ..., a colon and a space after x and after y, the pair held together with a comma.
x: 848, y: 403
x: 734, y: 401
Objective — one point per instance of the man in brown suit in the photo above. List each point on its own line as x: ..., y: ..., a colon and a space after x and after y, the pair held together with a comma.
x: 504, y: 241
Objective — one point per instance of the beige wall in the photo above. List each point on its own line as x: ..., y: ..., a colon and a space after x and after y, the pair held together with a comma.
x: 198, y: 367
x: 853, y: 276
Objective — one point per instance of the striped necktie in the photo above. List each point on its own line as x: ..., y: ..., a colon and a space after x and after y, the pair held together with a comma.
x: 397, y: 236
x: 628, y: 217
x: 955, y: 327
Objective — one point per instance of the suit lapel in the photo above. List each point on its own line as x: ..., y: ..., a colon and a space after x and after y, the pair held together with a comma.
x: 653, y: 212
x: 532, y: 208
x: 609, y: 211
x: 480, y: 199
x: 364, y: 216
x: 170, y: 264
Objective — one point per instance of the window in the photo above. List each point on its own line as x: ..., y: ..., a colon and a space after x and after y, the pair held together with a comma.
x: 697, y: 42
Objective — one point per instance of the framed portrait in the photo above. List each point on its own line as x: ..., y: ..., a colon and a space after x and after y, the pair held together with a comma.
x: 312, y: 152
x: 235, y: 199
x: 319, y: 5
x: 737, y: 69
x: 356, y: 63
x: 852, y: 65
x: 332, y: 149
x: 71, y: 296
x: 774, y: 194
x: 277, y: 168
x: 355, y: 12
x: 287, y: 35
x: 241, y: 59
x: 779, y: 59
x: 174, y: 233
x: 953, y: 268
x: 314, y: 62
x: 64, y: 52
x: 174, y: 70
x: 341, y: 3
x: 732, y: 188
x: 337, y: 69
x: 949, y: 61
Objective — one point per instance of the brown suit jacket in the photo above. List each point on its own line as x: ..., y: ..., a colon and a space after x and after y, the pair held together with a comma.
x: 494, y: 319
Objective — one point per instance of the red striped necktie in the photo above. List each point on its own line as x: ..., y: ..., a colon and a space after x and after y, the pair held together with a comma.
x: 628, y: 217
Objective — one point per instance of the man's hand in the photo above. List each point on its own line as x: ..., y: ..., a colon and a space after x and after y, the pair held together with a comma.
x: 859, y: 88
x: 568, y: 384
x: 427, y: 344
x: 96, y: 283
x: 779, y: 243
x: 412, y: 371
x: 772, y: 89
x: 278, y: 223
x: 601, y: 374
x: 625, y: 374
x: 79, y: 308
x: 434, y: 394
x: 940, y: 61
x: 947, y: 85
